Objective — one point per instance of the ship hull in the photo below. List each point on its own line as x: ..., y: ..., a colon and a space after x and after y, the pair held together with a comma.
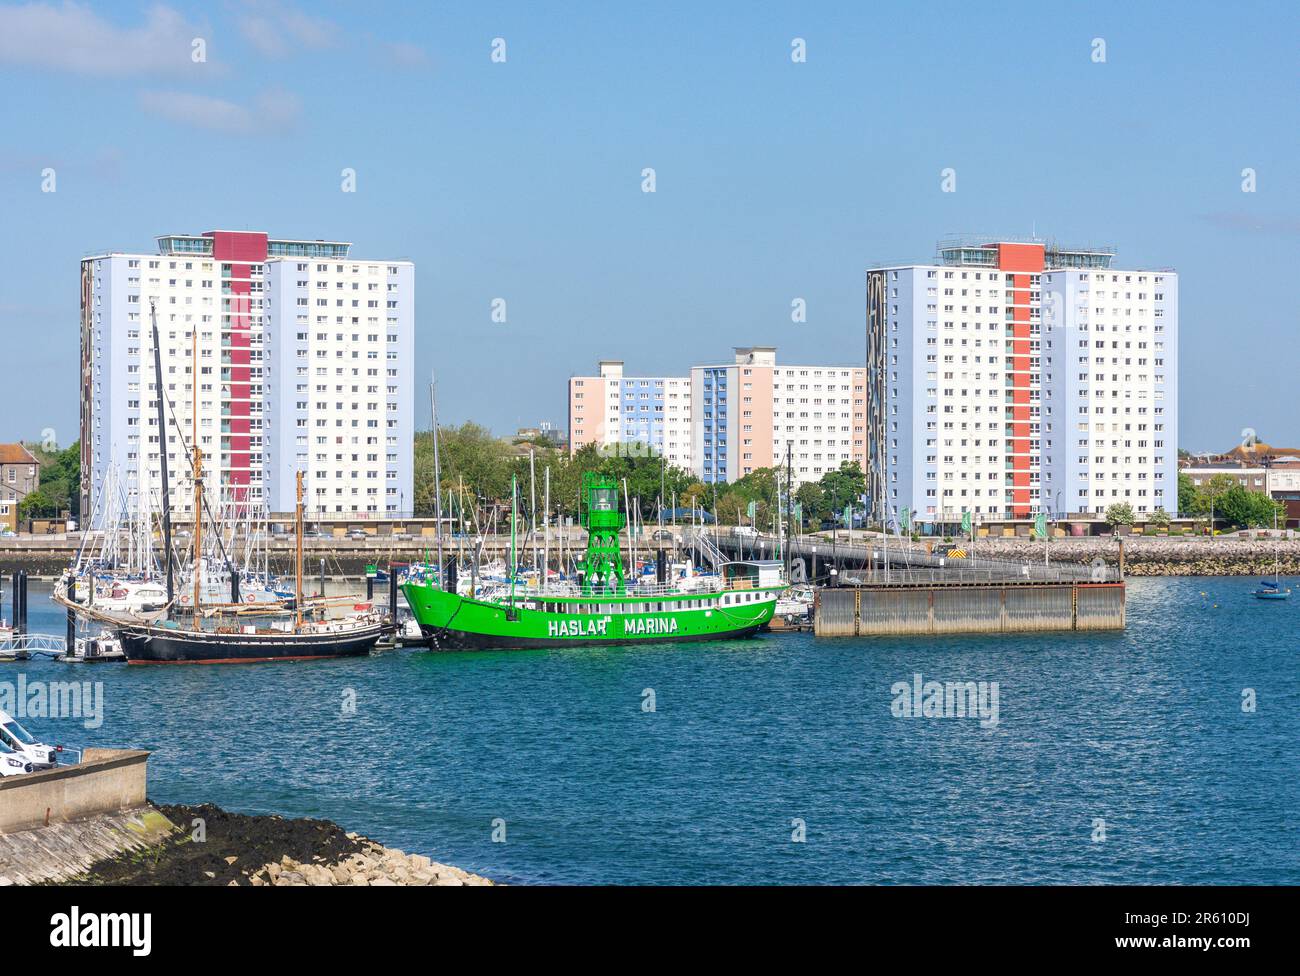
x: 158, y: 646
x: 453, y: 622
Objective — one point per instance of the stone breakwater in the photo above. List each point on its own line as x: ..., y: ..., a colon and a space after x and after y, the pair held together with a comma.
x: 205, y: 845
x: 1159, y: 555
x: 374, y: 866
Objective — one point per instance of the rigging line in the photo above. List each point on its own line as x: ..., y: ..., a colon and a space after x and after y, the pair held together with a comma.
x: 162, y: 446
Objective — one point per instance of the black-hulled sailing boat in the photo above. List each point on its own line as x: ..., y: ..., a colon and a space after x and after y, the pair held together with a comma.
x: 238, y: 634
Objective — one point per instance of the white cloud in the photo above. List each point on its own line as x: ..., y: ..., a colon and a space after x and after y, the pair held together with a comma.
x: 72, y: 37
x: 269, y: 113
x: 277, y: 32
x: 406, y: 55
x: 1255, y: 223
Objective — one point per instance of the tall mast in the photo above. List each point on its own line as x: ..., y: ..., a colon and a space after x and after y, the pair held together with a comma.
x: 514, y: 518
x: 297, y: 535
x: 162, y: 452
x: 197, y: 569
x: 532, y: 502
x: 631, y: 529
x: 663, y: 486
x: 437, y: 480
x: 546, y: 527
x: 198, y: 531
x: 789, y: 507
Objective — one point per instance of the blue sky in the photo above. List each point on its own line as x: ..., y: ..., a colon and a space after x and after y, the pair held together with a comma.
x: 775, y: 180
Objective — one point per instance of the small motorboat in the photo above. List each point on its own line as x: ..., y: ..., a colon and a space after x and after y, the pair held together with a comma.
x: 795, y: 603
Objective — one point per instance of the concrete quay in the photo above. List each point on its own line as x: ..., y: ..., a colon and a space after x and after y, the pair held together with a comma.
x: 1233, y: 555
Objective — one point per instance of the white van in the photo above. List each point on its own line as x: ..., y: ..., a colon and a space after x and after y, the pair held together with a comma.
x: 17, y: 739
x: 11, y: 763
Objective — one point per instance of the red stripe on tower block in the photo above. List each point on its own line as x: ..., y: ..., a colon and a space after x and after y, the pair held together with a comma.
x: 1020, y: 261
x: 239, y: 249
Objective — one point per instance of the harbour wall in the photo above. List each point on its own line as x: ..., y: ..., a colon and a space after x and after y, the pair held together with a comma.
x: 1161, y: 555
x: 1143, y: 555
x: 63, y: 851
x: 891, y: 609
x: 105, y: 781
x: 49, y: 556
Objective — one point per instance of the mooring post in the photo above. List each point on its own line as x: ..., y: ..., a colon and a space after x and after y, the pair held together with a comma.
x: 20, y: 602
x: 72, y: 631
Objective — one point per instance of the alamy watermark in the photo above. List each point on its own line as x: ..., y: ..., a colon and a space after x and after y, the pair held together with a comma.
x: 946, y: 699
x: 54, y: 699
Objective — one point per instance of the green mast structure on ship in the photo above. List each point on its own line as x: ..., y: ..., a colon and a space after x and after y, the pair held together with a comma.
x: 605, y: 602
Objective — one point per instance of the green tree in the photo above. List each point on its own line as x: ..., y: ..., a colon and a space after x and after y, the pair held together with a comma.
x: 1159, y: 518
x: 843, y: 487
x: 60, y: 488
x: 37, y: 504
x: 646, y: 474
x: 695, y: 495
x: 1121, y: 513
x: 481, y: 465
x: 1208, y: 494
x: 812, y: 501
x: 1248, y: 509
x: 469, y: 456
x: 757, y: 486
x: 1186, y: 494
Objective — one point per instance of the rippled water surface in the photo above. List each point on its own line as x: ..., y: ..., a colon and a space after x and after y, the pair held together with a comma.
x: 1143, y: 730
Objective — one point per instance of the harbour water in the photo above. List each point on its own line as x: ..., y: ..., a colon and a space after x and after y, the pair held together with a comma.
x: 1116, y: 756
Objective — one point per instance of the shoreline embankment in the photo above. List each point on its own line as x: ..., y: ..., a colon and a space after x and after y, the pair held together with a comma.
x: 1144, y: 555
x: 1159, y: 555
x: 205, y: 845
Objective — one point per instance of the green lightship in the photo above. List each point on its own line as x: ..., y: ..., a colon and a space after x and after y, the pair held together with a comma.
x: 602, y: 605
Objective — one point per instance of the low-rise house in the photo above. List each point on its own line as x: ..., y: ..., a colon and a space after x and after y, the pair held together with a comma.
x: 1284, y: 486
x: 20, y: 474
x: 1252, y: 477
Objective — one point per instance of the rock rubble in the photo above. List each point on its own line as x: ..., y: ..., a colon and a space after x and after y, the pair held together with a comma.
x: 1160, y: 555
x: 372, y: 866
